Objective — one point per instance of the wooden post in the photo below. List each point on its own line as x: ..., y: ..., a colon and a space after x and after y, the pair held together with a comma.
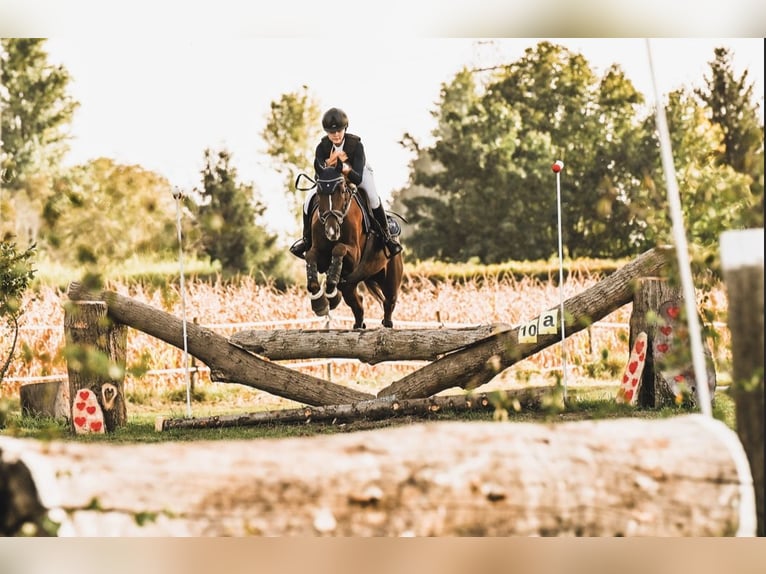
x: 742, y: 264
x: 91, y: 337
x: 653, y: 297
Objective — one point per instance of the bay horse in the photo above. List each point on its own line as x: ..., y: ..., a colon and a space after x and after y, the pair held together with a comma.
x: 346, y: 253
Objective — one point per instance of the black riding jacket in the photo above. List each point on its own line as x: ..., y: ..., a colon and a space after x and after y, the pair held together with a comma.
x: 354, y: 149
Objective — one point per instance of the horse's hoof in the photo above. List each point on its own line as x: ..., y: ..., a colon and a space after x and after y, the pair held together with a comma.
x: 320, y: 307
x: 362, y: 326
x: 335, y: 301
x: 388, y: 324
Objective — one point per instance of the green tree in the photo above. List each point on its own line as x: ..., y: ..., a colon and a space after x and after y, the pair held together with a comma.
x: 732, y: 107
x: 495, y: 193
x: 104, y: 212
x: 714, y: 197
x: 16, y: 272
x: 35, y: 110
x: 227, y: 216
x: 291, y: 133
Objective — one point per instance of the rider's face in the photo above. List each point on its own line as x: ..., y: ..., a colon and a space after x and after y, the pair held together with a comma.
x: 337, y: 136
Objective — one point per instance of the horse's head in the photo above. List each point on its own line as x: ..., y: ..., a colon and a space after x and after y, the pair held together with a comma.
x: 334, y: 200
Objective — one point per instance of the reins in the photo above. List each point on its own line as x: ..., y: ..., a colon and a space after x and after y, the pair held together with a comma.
x: 348, y: 190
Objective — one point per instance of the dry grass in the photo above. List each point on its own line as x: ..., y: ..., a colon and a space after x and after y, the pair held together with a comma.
x: 598, y: 353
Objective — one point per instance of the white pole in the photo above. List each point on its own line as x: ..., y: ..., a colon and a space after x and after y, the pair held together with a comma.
x: 178, y: 195
x: 679, y: 236
x: 558, y: 165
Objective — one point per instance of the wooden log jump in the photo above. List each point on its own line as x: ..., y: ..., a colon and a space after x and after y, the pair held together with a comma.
x: 629, y: 477
x: 480, y: 356
x: 376, y: 409
x: 227, y: 362
x: 370, y: 346
x: 479, y: 363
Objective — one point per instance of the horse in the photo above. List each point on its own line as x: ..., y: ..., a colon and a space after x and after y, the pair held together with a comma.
x: 346, y: 254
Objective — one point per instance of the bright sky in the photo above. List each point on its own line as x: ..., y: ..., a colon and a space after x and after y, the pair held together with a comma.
x: 159, y: 102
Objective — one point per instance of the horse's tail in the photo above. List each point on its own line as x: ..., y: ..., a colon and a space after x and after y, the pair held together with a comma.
x: 375, y: 290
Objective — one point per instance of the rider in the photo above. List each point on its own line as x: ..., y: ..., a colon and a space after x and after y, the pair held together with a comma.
x: 339, y: 145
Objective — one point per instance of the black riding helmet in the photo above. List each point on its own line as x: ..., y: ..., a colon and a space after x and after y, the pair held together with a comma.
x: 334, y: 120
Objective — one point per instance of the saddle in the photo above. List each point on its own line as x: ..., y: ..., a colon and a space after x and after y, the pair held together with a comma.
x: 394, y: 229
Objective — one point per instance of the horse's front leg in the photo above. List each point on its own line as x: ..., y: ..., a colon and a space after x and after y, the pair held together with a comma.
x: 332, y: 278
x: 319, y: 303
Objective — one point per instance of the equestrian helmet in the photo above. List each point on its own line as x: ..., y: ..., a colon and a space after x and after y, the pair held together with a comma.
x: 334, y: 120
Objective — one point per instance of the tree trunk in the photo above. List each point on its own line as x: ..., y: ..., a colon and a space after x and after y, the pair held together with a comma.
x: 87, y: 330
x: 376, y: 409
x: 628, y: 477
x: 369, y: 345
x: 657, y: 388
x: 46, y: 399
x: 742, y: 261
x: 477, y: 364
x: 227, y: 362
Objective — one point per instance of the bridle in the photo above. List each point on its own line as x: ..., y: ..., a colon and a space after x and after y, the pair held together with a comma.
x: 328, y: 187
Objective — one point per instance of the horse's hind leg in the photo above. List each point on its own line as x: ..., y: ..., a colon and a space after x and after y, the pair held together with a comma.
x: 390, y: 288
x: 353, y: 299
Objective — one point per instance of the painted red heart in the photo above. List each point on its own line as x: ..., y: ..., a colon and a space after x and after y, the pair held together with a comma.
x: 639, y: 346
x: 84, y: 394
x: 91, y: 410
x: 662, y: 348
x: 79, y: 421
x: 635, y: 381
x: 96, y: 425
x: 641, y: 357
x: 633, y: 366
x: 80, y: 406
x: 629, y: 394
x: 624, y: 378
x: 673, y: 312
x: 666, y: 330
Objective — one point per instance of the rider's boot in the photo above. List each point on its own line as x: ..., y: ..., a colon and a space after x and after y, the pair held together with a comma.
x: 300, y: 247
x: 392, y: 246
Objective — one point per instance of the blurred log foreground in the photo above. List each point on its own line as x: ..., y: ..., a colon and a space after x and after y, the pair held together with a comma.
x: 681, y: 476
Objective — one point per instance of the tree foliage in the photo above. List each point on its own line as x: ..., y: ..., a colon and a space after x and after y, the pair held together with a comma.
x: 732, y: 107
x: 16, y: 273
x: 35, y: 110
x: 291, y: 132
x: 484, y: 190
x: 103, y: 211
x: 227, y: 216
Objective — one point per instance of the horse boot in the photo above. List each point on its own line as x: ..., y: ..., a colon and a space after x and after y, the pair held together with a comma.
x: 300, y: 247
x: 392, y: 246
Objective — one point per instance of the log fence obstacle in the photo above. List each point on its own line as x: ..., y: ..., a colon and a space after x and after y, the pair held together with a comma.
x: 685, y: 476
